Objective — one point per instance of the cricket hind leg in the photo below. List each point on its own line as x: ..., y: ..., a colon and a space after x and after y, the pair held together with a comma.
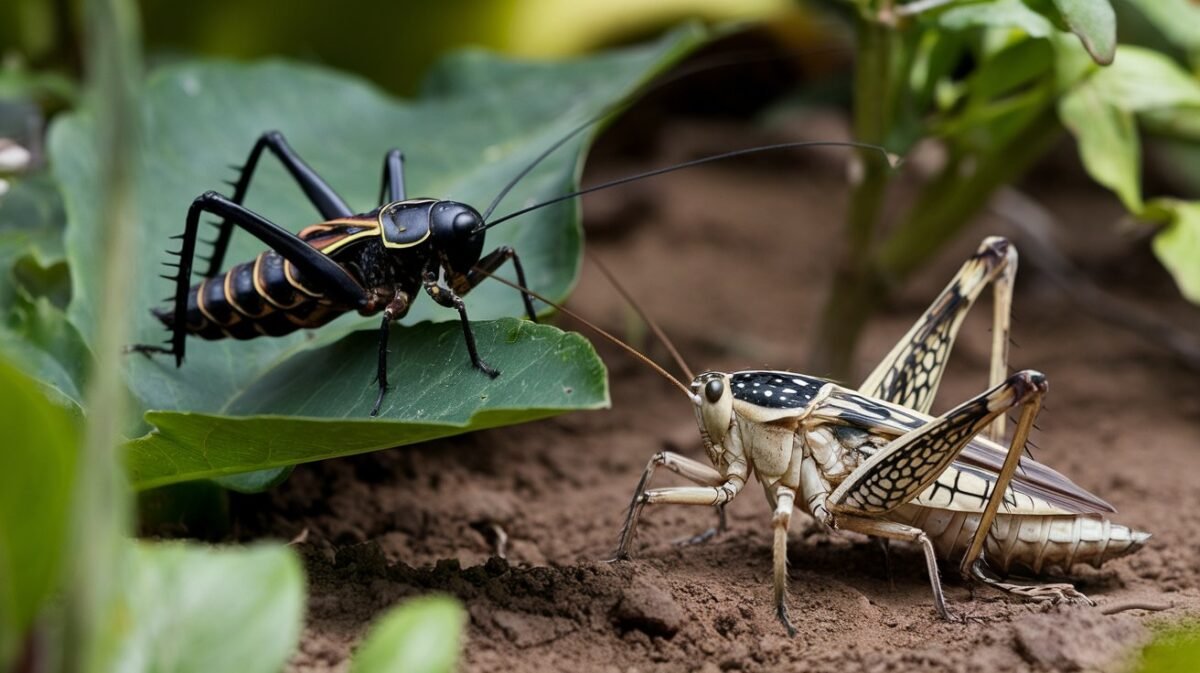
x: 912, y: 371
x: 319, y: 192
x: 392, y: 187
x: 318, y: 270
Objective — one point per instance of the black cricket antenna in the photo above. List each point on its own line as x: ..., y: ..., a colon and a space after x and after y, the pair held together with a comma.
x: 705, y: 65
x: 892, y: 160
x: 599, y: 330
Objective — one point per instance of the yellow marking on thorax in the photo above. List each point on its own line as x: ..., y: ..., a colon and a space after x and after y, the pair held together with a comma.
x: 383, y: 235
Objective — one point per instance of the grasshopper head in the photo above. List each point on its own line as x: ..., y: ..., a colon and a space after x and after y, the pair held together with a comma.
x: 714, y: 410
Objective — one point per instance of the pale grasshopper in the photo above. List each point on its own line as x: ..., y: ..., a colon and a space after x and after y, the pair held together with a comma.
x: 873, y: 460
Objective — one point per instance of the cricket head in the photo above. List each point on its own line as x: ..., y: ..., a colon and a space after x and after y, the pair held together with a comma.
x: 458, y: 234
x: 714, y: 411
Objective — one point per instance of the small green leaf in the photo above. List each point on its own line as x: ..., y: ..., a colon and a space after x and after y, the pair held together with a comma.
x: 1095, y: 23
x: 193, y: 609
x: 37, y: 466
x: 1108, y: 142
x: 999, y: 14
x: 1177, y: 245
x: 327, y: 392
x: 421, y: 636
x: 1141, y: 79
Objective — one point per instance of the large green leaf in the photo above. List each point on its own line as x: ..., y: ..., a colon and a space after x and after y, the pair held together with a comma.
x: 37, y: 466
x: 479, y: 122
x: 189, y: 608
x: 420, y: 636
x: 326, y: 391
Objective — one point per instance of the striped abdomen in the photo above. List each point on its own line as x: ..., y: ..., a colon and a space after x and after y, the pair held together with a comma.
x: 265, y: 297
x: 1026, y: 543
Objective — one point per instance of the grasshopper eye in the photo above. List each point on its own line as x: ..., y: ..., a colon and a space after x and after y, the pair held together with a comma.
x: 713, y: 390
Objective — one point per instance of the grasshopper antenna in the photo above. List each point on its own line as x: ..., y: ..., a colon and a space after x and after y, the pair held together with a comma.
x: 736, y: 58
x: 596, y: 328
x: 662, y: 336
x: 892, y: 160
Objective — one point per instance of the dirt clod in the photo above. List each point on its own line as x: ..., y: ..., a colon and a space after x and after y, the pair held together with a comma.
x: 646, y: 607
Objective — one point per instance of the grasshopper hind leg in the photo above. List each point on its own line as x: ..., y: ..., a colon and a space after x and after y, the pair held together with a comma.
x: 1054, y: 592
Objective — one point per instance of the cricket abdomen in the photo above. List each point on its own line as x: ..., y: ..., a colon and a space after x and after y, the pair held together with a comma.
x: 265, y: 297
x: 1026, y: 543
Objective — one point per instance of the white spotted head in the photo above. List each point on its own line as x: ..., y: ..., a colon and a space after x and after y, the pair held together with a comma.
x: 714, y: 410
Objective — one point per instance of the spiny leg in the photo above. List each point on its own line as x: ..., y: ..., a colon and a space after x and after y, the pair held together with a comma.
x: 898, y: 531
x: 488, y: 265
x: 326, y: 200
x: 687, y: 468
x: 447, y: 297
x: 912, y: 371
x: 784, y: 502
x: 392, y: 188
x: 319, y: 270
x: 973, y: 563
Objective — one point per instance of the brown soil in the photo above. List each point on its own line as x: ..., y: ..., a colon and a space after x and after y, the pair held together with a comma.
x: 734, y: 259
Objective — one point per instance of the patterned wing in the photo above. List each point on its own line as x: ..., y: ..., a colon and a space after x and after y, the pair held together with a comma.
x: 979, y: 460
x: 911, y: 372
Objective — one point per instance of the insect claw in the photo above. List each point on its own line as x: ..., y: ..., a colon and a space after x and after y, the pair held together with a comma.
x: 173, y: 279
x: 179, y: 237
x: 177, y: 253
x: 172, y: 265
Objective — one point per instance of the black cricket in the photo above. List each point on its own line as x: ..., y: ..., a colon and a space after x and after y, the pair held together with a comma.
x: 370, y: 262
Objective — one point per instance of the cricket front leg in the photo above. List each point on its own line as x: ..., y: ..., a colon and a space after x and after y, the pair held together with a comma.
x: 447, y: 297
x: 718, y: 490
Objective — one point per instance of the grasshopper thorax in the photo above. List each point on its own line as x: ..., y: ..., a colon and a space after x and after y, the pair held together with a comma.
x: 455, y: 229
x: 714, y: 411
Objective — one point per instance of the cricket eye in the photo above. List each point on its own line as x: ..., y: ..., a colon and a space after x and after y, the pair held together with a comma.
x: 713, y: 390
x: 465, y: 223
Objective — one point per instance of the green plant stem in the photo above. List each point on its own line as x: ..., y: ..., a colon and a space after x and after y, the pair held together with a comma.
x: 872, y: 103
x: 102, y: 513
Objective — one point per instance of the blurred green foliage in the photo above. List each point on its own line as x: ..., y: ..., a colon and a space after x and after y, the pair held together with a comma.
x: 390, y: 43
x: 1174, y: 651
